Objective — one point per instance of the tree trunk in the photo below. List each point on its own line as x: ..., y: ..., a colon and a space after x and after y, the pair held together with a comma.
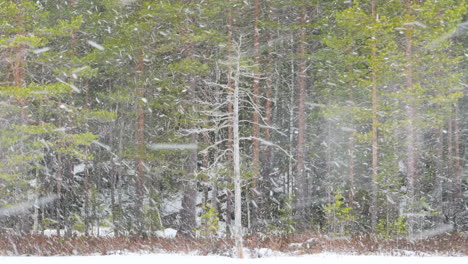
x: 255, y: 117
x: 140, y: 148
x: 411, y: 114
x: 37, y: 191
x: 189, y: 201
x: 212, y: 178
x: 113, y: 182
x: 290, y: 180
x: 230, y: 90
x: 351, y: 149
x: 267, y: 155
x: 440, y: 175
x: 59, y: 179
x: 86, y: 168
x: 68, y: 197
x: 458, y: 171
x: 236, y: 157
x: 301, y: 182
x: 450, y: 145
x: 351, y: 169
x: 373, y: 208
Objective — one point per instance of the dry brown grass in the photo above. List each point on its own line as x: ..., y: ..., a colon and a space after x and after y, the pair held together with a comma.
x: 310, y: 243
x: 304, y: 243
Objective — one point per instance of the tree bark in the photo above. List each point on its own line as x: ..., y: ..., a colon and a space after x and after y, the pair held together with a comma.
x: 255, y: 117
x: 351, y: 169
x: 86, y: 168
x: 230, y: 109
x: 59, y: 179
x: 458, y: 171
x: 290, y: 180
x: 189, y: 202
x: 265, y: 184
x: 374, y: 123
x: 113, y: 182
x: 301, y: 182
x: 236, y: 156
x: 140, y: 148
x: 411, y: 114
x: 440, y: 175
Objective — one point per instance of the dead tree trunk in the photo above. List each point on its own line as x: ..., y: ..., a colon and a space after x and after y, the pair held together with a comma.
x: 236, y: 156
x: 230, y: 90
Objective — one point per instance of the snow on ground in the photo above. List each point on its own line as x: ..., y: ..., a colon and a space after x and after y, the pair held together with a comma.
x: 96, y: 231
x: 167, y: 233
x: 182, y: 259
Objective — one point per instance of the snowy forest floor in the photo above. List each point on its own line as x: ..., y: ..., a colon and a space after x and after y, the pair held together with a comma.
x: 283, y: 259
x: 255, y: 246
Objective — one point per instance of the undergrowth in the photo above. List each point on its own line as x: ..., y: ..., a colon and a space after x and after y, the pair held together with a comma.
x: 295, y: 244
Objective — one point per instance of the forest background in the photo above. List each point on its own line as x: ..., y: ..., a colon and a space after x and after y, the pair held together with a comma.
x: 222, y: 117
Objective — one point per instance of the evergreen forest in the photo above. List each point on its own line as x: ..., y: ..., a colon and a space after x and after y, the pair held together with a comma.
x: 229, y: 118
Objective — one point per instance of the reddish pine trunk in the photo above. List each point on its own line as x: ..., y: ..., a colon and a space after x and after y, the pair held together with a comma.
x: 255, y: 116
x: 256, y: 81
x: 301, y: 183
